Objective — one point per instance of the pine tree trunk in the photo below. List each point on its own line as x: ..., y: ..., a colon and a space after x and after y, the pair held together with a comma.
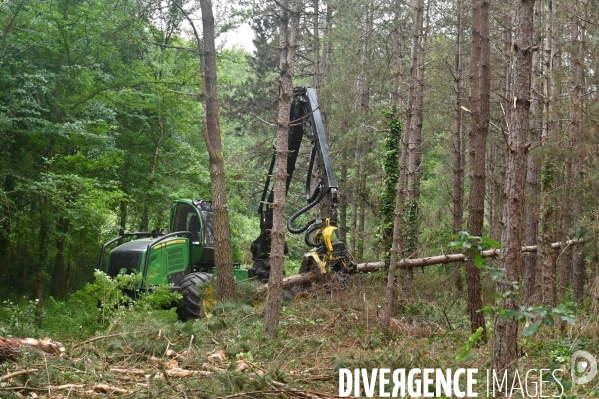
x: 578, y: 270
x: 316, y: 40
x: 343, y: 203
x: 396, y: 249
x: 578, y: 36
x: 547, y: 261
x: 355, y: 195
x: 548, y: 219
x: 364, y: 146
x: 396, y: 57
x: 362, y: 218
x: 564, y: 259
x: 288, y: 32
x: 531, y: 293
x: 479, y: 102
x: 225, y: 284
x: 505, y: 332
x: 414, y: 139
x: 458, y: 138
x: 327, y: 46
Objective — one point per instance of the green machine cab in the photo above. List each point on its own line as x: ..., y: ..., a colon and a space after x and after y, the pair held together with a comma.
x: 183, y: 257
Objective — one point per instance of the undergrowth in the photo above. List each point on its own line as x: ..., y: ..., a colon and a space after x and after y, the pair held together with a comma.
x: 320, y: 332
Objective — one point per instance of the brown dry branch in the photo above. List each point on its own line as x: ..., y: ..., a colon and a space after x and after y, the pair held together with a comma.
x: 175, y: 372
x: 103, y: 388
x: 129, y: 371
x: 103, y: 337
x: 17, y: 373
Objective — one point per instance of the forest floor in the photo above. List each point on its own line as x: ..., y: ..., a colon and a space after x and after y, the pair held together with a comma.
x: 142, y: 353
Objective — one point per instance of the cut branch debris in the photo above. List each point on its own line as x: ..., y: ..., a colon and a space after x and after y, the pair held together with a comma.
x: 17, y: 373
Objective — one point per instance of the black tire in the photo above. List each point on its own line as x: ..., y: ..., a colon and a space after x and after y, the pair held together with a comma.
x: 192, y: 304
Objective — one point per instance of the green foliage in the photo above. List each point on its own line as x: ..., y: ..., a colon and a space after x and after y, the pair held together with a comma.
x: 390, y: 164
x: 97, y: 131
x: 411, y: 221
x: 472, y: 341
x: 542, y: 314
x: 18, y: 319
x: 473, y: 245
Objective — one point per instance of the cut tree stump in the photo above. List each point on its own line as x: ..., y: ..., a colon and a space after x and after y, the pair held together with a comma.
x: 10, y: 348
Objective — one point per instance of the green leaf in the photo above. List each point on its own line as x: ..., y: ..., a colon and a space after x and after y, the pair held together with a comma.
x: 548, y: 320
x: 472, y: 340
x: 479, y: 261
x: 497, y: 275
x: 532, y: 328
x: 508, y: 314
x: 490, y: 243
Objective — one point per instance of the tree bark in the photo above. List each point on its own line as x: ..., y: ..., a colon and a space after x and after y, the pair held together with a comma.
x: 578, y: 36
x: 458, y: 138
x: 343, y: 203
x: 359, y: 254
x: 531, y: 293
x: 396, y: 58
x: 288, y: 32
x: 396, y: 248
x: 225, y: 284
x: 10, y: 348
x: 548, y: 219
x: 479, y: 102
x: 355, y: 195
x: 327, y: 46
x: 316, y: 50
x: 505, y: 332
x: 415, y: 102
x: 414, y: 139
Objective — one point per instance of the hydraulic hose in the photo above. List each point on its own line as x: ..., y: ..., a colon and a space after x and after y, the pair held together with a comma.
x: 311, y: 230
x: 301, y: 212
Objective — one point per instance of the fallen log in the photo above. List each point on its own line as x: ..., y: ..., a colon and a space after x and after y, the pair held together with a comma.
x: 452, y: 258
x: 10, y: 348
x: 313, y: 276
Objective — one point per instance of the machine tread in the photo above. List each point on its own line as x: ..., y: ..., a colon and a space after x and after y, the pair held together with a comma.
x: 192, y: 303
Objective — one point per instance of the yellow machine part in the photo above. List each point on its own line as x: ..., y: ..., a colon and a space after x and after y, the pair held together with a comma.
x: 326, y: 233
x: 209, y: 301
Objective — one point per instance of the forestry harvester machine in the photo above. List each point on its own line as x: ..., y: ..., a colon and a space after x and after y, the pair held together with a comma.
x: 184, y: 257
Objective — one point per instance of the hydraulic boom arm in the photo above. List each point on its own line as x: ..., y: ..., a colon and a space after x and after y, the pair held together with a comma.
x: 321, y: 189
